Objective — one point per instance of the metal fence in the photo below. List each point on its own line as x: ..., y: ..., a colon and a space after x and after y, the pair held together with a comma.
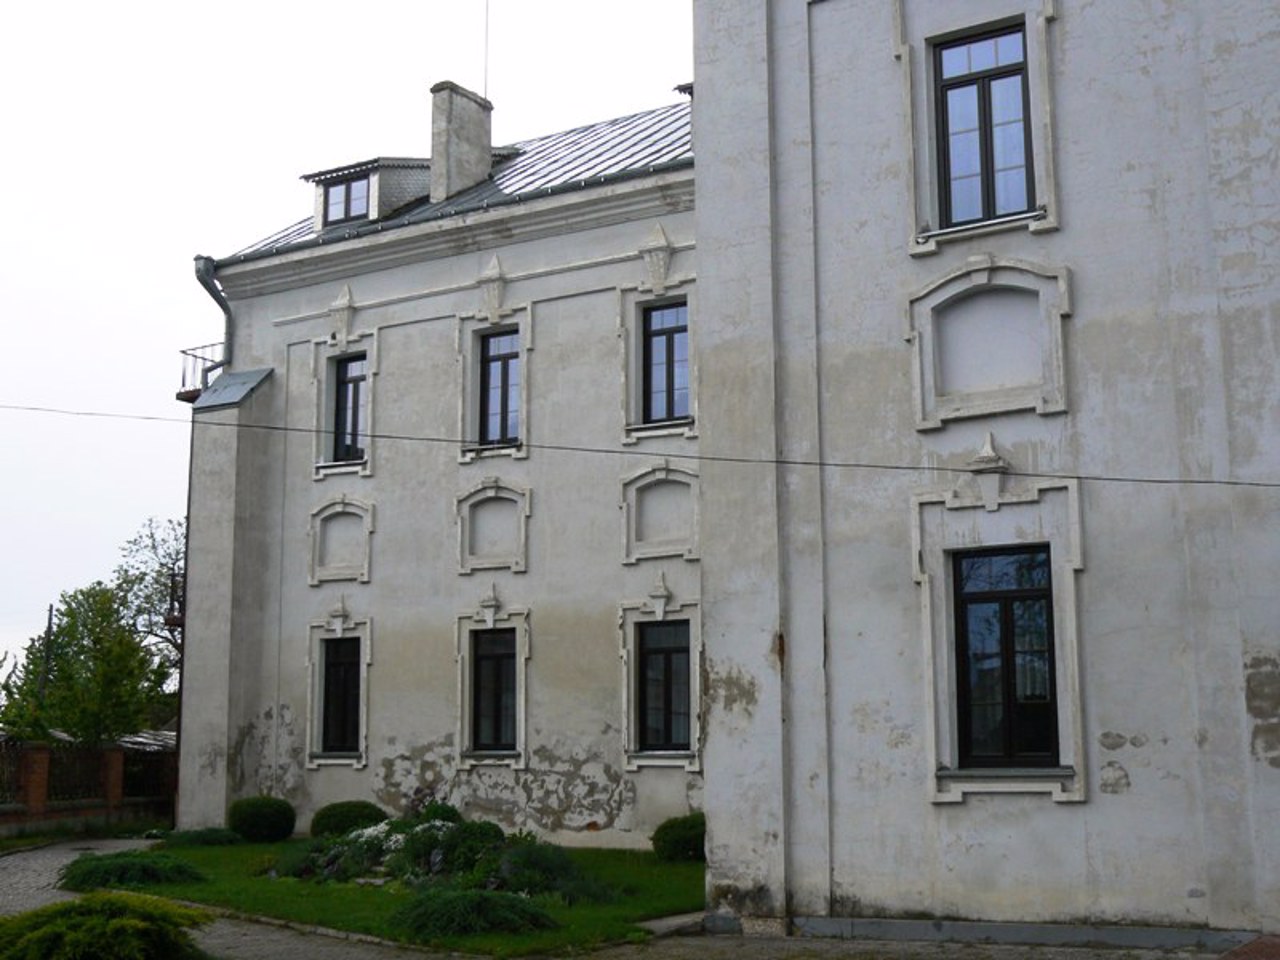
x: 10, y: 757
x: 75, y: 773
x: 148, y: 773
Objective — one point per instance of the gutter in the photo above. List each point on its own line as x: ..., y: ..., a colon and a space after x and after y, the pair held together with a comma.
x: 206, y: 269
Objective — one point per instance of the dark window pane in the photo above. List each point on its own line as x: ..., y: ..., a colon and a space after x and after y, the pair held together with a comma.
x: 663, y: 693
x: 494, y: 690
x: 340, y: 699
x: 1004, y: 632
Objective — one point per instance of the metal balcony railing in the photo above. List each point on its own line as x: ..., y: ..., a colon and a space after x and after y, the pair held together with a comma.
x: 197, y: 364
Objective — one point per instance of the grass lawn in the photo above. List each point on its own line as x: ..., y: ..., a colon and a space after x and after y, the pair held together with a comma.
x: 651, y: 888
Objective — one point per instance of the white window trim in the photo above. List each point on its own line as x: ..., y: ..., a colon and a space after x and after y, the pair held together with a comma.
x: 633, y: 549
x: 660, y: 605
x: 1052, y: 288
x: 632, y: 302
x: 321, y: 572
x: 1044, y: 510
x: 932, y: 23
x: 491, y: 488
x: 491, y: 316
x: 339, y: 623
x: 492, y: 614
x: 341, y: 342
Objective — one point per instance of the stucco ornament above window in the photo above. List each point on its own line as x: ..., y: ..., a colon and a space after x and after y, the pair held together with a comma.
x: 986, y: 338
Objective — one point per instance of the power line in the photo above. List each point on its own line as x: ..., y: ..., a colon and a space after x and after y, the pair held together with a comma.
x: 673, y: 455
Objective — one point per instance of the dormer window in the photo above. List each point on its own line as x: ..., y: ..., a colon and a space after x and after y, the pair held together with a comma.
x: 346, y: 200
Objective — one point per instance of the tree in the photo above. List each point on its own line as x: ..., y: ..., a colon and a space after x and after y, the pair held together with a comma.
x: 89, y: 676
x: 150, y: 576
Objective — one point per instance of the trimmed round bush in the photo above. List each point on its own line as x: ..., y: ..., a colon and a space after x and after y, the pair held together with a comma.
x: 335, y: 819
x: 681, y: 838
x: 449, y: 913
x: 534, y: 868
x: 103, y: 926
x: 130, y: 868
x: 262, y: 819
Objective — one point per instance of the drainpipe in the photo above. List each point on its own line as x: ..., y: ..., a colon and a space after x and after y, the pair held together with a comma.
x: 205, y: 270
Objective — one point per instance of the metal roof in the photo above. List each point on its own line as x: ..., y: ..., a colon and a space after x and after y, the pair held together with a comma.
x: 573, y: 160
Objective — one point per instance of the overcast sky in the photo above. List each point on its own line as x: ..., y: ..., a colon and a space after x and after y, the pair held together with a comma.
x: 141, y: 134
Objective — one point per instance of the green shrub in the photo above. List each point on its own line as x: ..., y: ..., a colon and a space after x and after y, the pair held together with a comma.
x: 466, y: 843
x: 436, y: 810
x: 416, y: 856
x: 344, y: 816
x: 262, y: 819
x: 207, y: 837
x: 102, y: 926
x: 681, y: 838
x: 533, y: 868
x: 131, y: 868
x: 441, y: 912
x: 302, y: 860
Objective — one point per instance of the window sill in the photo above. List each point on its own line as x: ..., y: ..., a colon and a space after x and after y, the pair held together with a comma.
x: 492, y: 758
x: 1063, y: 784
x: 683, y: 427
x: 315, y: 760
x: 926, y: 242
x: 680, y: 759
x: 485, y: 451
x: 331, y: 468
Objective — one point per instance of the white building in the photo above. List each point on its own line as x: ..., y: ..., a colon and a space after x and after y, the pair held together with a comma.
x: 443, y: 502
x: 946, y: 550
x: 988, y: 332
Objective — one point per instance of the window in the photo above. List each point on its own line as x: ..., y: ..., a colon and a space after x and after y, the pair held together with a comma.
x: 666, y: 363
x: 1004, y: 658
x: 493, y: 698
x: 348, y: 200
x: 340, y: 697
x: 984, y: 138
x: 662, y: 679
x: 350, y: 409
x: 500, y: 388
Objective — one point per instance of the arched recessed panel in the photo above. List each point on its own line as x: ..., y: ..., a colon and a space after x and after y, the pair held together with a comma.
x: 493, y: 522
x: 495, y: 528
x: 987, y: 339
x: 990, y: 340
x: 664, y: 513
x: 341, y: 540
x: 660, y: 514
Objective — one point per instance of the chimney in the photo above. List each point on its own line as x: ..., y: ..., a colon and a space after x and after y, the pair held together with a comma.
x: 461, y: 141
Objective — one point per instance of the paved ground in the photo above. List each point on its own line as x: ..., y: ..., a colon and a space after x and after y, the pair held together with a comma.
x: 27, y: 881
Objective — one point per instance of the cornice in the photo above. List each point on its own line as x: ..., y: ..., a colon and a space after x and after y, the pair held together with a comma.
x: 535, y: 219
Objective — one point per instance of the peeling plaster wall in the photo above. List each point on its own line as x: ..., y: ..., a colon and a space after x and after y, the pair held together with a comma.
x: 1165, y: 212
x: 575, y: 292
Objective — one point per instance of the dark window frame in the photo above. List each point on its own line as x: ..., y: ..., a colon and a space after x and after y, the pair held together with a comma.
x: 503, y: 364
x: 350, y: 397
x: 668, y: 337
x: 494, y: 694
x: 982, y: 80
x: 665, y: 654
x: 1021, y: 717
x: 350, y: 210
x: 340, y: 696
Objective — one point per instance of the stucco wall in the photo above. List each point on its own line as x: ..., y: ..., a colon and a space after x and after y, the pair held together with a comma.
x: 574, y: 291
x: 1154, y: 140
